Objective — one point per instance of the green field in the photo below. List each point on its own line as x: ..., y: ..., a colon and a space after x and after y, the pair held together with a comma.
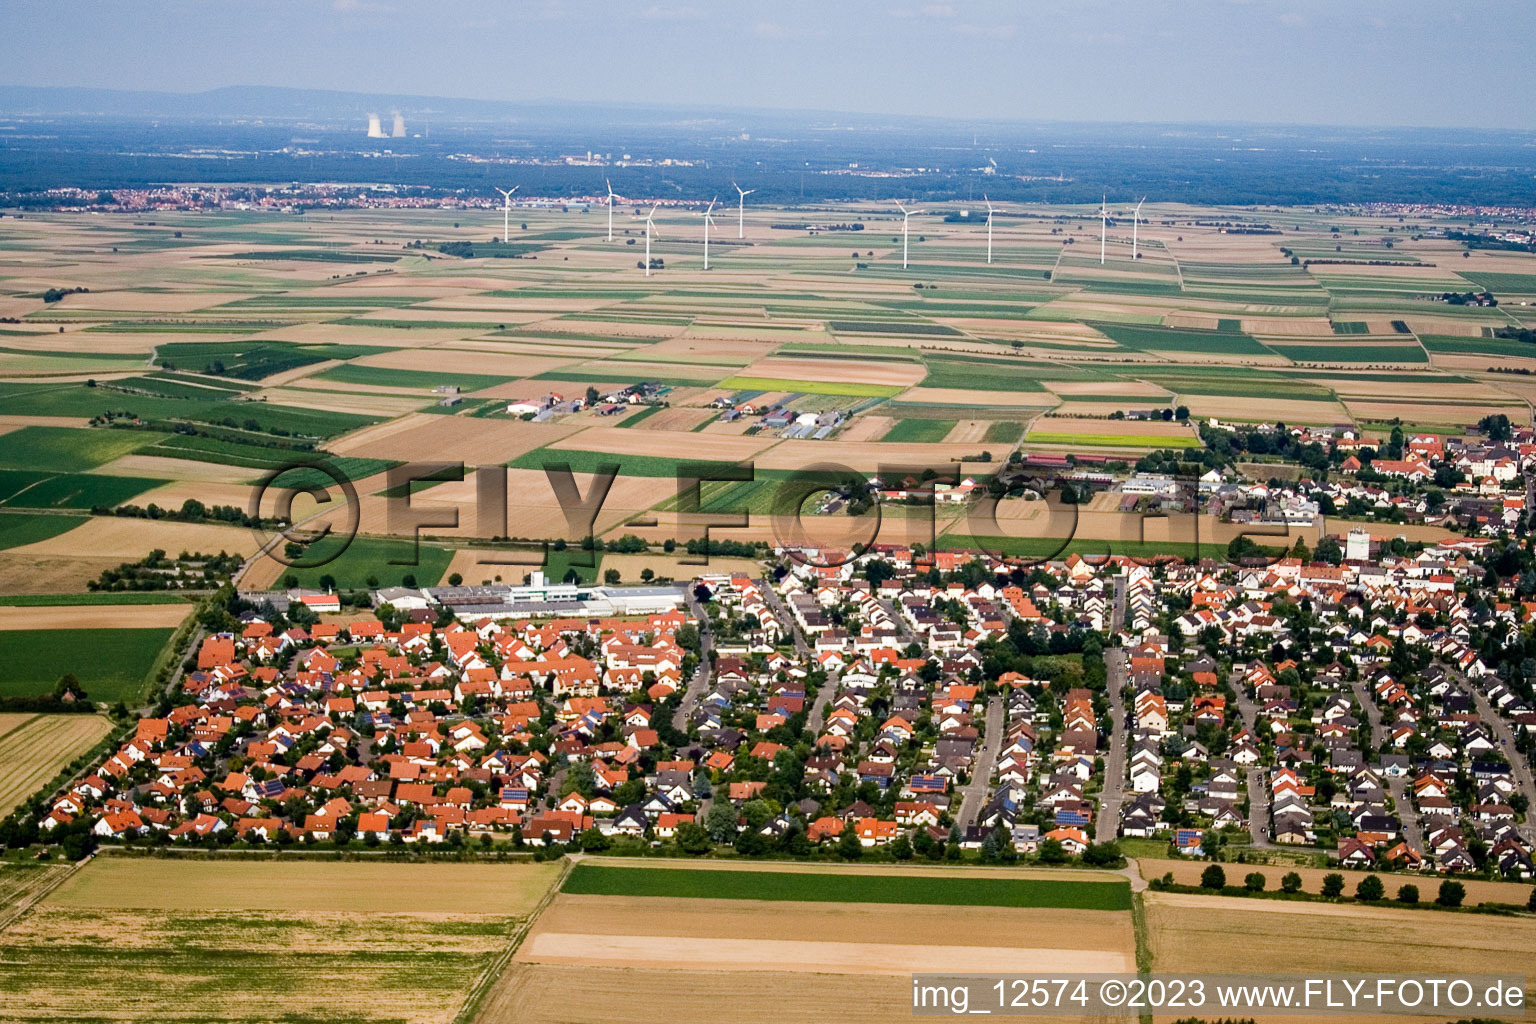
x: 1492, y: 347
x: 1344, y: 352
x: 69, y: 449
x: 843, y: 887
x: 111, y: 664
x: 381, y: 376
x: 1173, y: 339
x: 249, y: 360
x: 919, y: 430
x: 1061, y: 547
x: 18, y: 528
x: 982, y: 375
x: 367, y: 557
x: 22, y: 488
x: 811, y: 387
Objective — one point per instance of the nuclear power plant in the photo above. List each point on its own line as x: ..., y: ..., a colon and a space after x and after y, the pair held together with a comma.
x: 399, y: 129
x: 375, y: 128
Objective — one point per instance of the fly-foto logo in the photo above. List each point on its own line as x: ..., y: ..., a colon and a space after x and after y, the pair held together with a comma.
x: 825, y: 514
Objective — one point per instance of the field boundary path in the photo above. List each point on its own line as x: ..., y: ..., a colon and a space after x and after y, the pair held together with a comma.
x: 1107, y: 825
x: 474, y: 1002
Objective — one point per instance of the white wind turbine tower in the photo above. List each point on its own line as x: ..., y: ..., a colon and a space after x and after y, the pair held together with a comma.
x: 612, y: 195
x: 741, y: 209
x: 906, y: 215
x: 708, y: 220
x: 1103, y: 225
x: 1136, y: 223
x: 506, y: 212
x: 989, y: 226
x: 650, y: 229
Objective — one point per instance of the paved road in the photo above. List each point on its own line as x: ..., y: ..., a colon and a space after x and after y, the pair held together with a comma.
x: 976, y: 793
x: 901, y: 623
x: 699, y: 684
x: 818, y: 714
x: 1106, y: 824
x: 1258, y: 785
x: 1413, y: 831
x: 781, y: 610
x: 1372, y: 715
x: 1520, y: 766
x: 1117, y: 619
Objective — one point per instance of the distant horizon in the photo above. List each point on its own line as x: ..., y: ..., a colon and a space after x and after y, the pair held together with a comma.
x: 1333, y: 63
x: 381, y: 101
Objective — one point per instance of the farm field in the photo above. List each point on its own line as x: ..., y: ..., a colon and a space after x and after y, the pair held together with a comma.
x: 35, y: 748
x: 342, y: 935
x: 111, y: 664
x: 1190, y: 933
x: 647, y: 958
x: 249, y: 343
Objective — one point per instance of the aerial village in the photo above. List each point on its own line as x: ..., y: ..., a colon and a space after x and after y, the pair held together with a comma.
x: 892, y: 703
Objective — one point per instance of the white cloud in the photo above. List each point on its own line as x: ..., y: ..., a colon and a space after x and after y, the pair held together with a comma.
x: 668, y: 12
x: 939, y: 11
x: 1293, y: 19
x: 769, y: 30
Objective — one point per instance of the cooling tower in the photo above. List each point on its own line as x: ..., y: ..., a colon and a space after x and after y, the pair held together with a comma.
x: 399, y: 130
x: 375, y: 129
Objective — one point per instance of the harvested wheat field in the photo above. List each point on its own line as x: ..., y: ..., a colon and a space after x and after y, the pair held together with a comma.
x: 965, y: 396
x: 678, y: 419
x: 560, y: 994
x: 967, y: 432
x: 35, y: 748
x: 1187, y: 932
x: 443, y: 360
x: 866, y: 427
x: 666, y: 443
x: 94, y: 616
x: 338, y: 934
x: 429, y: 438
x: 673, y: 566
x: 134, y: 538
x: 51, y: 574
x: 838, y: 371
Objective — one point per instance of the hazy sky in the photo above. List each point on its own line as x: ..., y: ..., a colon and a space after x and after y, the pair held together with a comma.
x: 1388, y: 62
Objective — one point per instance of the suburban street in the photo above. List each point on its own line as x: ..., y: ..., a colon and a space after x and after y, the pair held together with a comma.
x: 1107, y: 822
x: 1413, y: 833
x: 1520, y: 768
x: 802, y: 648
x: 976, y: 793
x: 698, y: 685
x: 1258, y: 786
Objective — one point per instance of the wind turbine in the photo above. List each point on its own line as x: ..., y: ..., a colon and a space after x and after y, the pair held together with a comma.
x: 708, y: 220
x: 1135, y: 223
x: 612, y: 195
x: 506, y: 212
x: 989, y: 226
x: 1103, y: 225
x: 906, y: 215
x: 650, y: 229
x: 741, y: 209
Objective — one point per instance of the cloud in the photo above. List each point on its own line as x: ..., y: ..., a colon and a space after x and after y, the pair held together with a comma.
x: 965, y: 28
x: 668, y: 12
x: 769, y: 30
x: 939, y: 10
x: 1293, y: 19
x: 360, y: 7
